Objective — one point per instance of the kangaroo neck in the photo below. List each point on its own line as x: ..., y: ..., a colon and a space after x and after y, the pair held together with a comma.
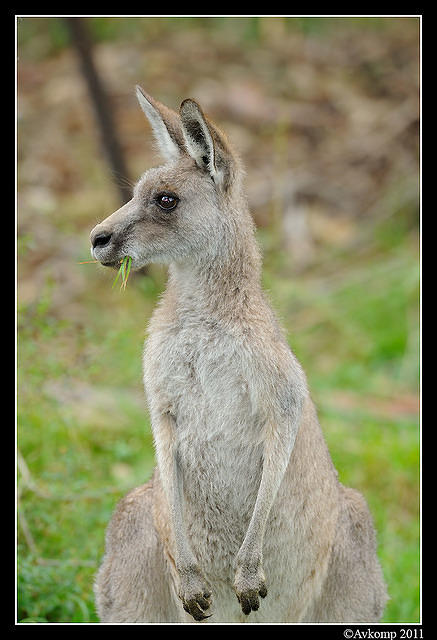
x: 227, y: 288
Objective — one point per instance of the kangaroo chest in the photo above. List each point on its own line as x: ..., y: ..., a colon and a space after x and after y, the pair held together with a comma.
x: 201, y: 376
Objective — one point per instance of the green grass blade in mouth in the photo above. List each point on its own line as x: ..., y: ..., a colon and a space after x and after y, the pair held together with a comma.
x: 124, y: 271
x: 116, y: 277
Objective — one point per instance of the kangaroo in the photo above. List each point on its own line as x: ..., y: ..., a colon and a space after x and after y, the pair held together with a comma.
x: 244, y: 503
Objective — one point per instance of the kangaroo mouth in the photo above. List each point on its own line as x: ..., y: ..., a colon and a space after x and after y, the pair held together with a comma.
x: 114, y: 264
x: 108, y: 260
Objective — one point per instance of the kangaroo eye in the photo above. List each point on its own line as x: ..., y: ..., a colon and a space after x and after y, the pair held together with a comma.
x: 166, y: 201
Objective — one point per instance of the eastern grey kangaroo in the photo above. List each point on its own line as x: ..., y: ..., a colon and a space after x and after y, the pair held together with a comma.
x: 245, y: 502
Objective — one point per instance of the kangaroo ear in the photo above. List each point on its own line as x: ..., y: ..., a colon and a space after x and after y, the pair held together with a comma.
x: 165, y: 125
x: 206, y: 144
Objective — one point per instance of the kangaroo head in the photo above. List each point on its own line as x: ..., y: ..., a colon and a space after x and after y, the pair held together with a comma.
x: 183, y: 209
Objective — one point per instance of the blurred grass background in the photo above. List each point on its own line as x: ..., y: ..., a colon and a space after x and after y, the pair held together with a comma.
x: 325, y: 114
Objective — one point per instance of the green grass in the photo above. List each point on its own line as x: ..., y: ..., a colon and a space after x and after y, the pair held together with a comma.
x: 85, y: 439
x: 124, y: 271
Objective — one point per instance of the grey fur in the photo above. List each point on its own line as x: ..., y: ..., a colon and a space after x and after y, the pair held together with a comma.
x: 245, y: 502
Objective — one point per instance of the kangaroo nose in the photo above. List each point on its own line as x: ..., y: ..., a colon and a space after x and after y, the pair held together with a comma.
x: 101, y: 239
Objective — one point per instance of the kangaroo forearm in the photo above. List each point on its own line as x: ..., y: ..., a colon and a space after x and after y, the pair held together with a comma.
x: 250, y: 581
x: 172, y: 482
x: 193, y: 590
x: 278, y: 446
